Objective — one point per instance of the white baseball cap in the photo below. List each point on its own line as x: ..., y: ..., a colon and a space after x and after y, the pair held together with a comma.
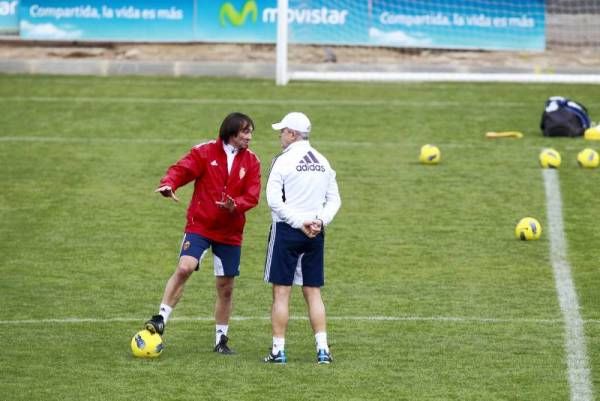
x: 296, y: 121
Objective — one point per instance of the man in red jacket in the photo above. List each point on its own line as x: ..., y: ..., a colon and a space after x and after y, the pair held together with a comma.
x: 227, y: 184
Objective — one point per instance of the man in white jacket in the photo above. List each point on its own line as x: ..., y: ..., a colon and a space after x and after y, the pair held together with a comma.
x: 303, y: 196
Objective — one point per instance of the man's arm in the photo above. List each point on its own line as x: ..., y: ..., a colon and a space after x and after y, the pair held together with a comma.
x: 167, y: 192
x: 275, y: 199
x: 332, y: 201
x: 312, y: 228
x: 185, y: 170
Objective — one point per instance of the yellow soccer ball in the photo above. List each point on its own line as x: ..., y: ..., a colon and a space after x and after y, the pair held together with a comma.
x: 592, y: 133
x: 430, y: 154
x: 528, y: 229
x: 588, y: 158
x: 147, y: 345
x: 550, y: 158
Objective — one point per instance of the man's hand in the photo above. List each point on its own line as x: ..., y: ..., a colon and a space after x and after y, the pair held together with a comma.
x: 312, y: 228
x: 226, y: 202
x: 167, y: 192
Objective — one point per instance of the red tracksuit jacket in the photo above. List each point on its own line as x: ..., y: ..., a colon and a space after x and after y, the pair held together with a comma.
x: 207, y: 165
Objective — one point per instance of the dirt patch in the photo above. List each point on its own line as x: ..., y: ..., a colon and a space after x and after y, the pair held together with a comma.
x: 552, y: 60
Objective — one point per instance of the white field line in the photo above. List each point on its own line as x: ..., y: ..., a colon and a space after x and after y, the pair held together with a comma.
x: 151, y: 141
x: 259, y: 102
x: 191, y: 142
x: 99, y: 140
x: 440, y: 319
x: 263, y: 102
x: 575, y: 343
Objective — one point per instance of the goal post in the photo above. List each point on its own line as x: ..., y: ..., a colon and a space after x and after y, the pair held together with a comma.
x: 437, y: 40
x: 281, y: 69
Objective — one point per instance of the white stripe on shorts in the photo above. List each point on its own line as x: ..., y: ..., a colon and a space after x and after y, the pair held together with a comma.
x: 202, y: 258
x: 181, y: 245
x: 218, y: 263
x: 298, y: 279
x: 270, y: 252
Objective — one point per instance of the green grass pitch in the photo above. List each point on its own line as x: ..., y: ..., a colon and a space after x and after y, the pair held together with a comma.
x: 429, y: 295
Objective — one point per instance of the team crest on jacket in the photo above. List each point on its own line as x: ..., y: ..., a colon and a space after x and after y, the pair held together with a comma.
x: 242, y: 173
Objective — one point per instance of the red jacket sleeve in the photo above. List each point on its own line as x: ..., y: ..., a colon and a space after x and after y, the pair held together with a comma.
x: 252, y: 193
x: 188, y: 168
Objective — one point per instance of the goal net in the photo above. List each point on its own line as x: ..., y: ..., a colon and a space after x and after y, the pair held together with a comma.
x: 439, y: 40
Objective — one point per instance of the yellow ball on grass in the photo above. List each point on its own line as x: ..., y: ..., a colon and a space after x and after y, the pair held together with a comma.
x: 528, y: 229
x: 550, y: 158
x: 147, y: 345
x: 588, y: 158
x: 430, y: 154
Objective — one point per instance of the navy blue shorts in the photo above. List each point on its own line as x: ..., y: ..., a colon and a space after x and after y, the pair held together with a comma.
x: 226, y: 257
x: 293, y: 258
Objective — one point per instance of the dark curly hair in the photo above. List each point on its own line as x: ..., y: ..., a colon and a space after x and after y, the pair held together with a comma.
x: 233, y: 124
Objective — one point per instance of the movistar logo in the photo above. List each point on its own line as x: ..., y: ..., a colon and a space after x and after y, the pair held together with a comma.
x: 236, y: 18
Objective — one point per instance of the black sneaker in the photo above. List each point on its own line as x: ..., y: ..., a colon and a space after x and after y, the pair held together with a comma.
x: 222, y: 347
x: 279, y: 358
x: 155, y: 325
x: 323, y: 357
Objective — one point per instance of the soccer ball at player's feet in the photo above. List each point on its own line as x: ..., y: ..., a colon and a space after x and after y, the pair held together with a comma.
x: 147, y: 345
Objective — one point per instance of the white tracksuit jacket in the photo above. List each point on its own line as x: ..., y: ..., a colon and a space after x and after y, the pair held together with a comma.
x: 302, y: 186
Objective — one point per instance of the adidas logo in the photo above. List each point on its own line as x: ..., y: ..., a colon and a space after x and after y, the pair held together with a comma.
x: 309, y: 163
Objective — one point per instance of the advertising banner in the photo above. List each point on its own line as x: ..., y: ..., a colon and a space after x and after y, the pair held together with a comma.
x: 114, y: 20
x: 229, y: 21
x: 314, y: 22
x: 9, y: 21
x: 469, y: 24
x: 472, y: 24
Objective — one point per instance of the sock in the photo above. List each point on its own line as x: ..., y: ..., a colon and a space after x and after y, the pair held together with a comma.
x: 220, y: 329
x: 321, y: 338
x: 165, y: 311
x: 278, y: 345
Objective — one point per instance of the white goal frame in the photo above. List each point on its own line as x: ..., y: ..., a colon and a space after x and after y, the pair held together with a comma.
x: 284, y: 74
